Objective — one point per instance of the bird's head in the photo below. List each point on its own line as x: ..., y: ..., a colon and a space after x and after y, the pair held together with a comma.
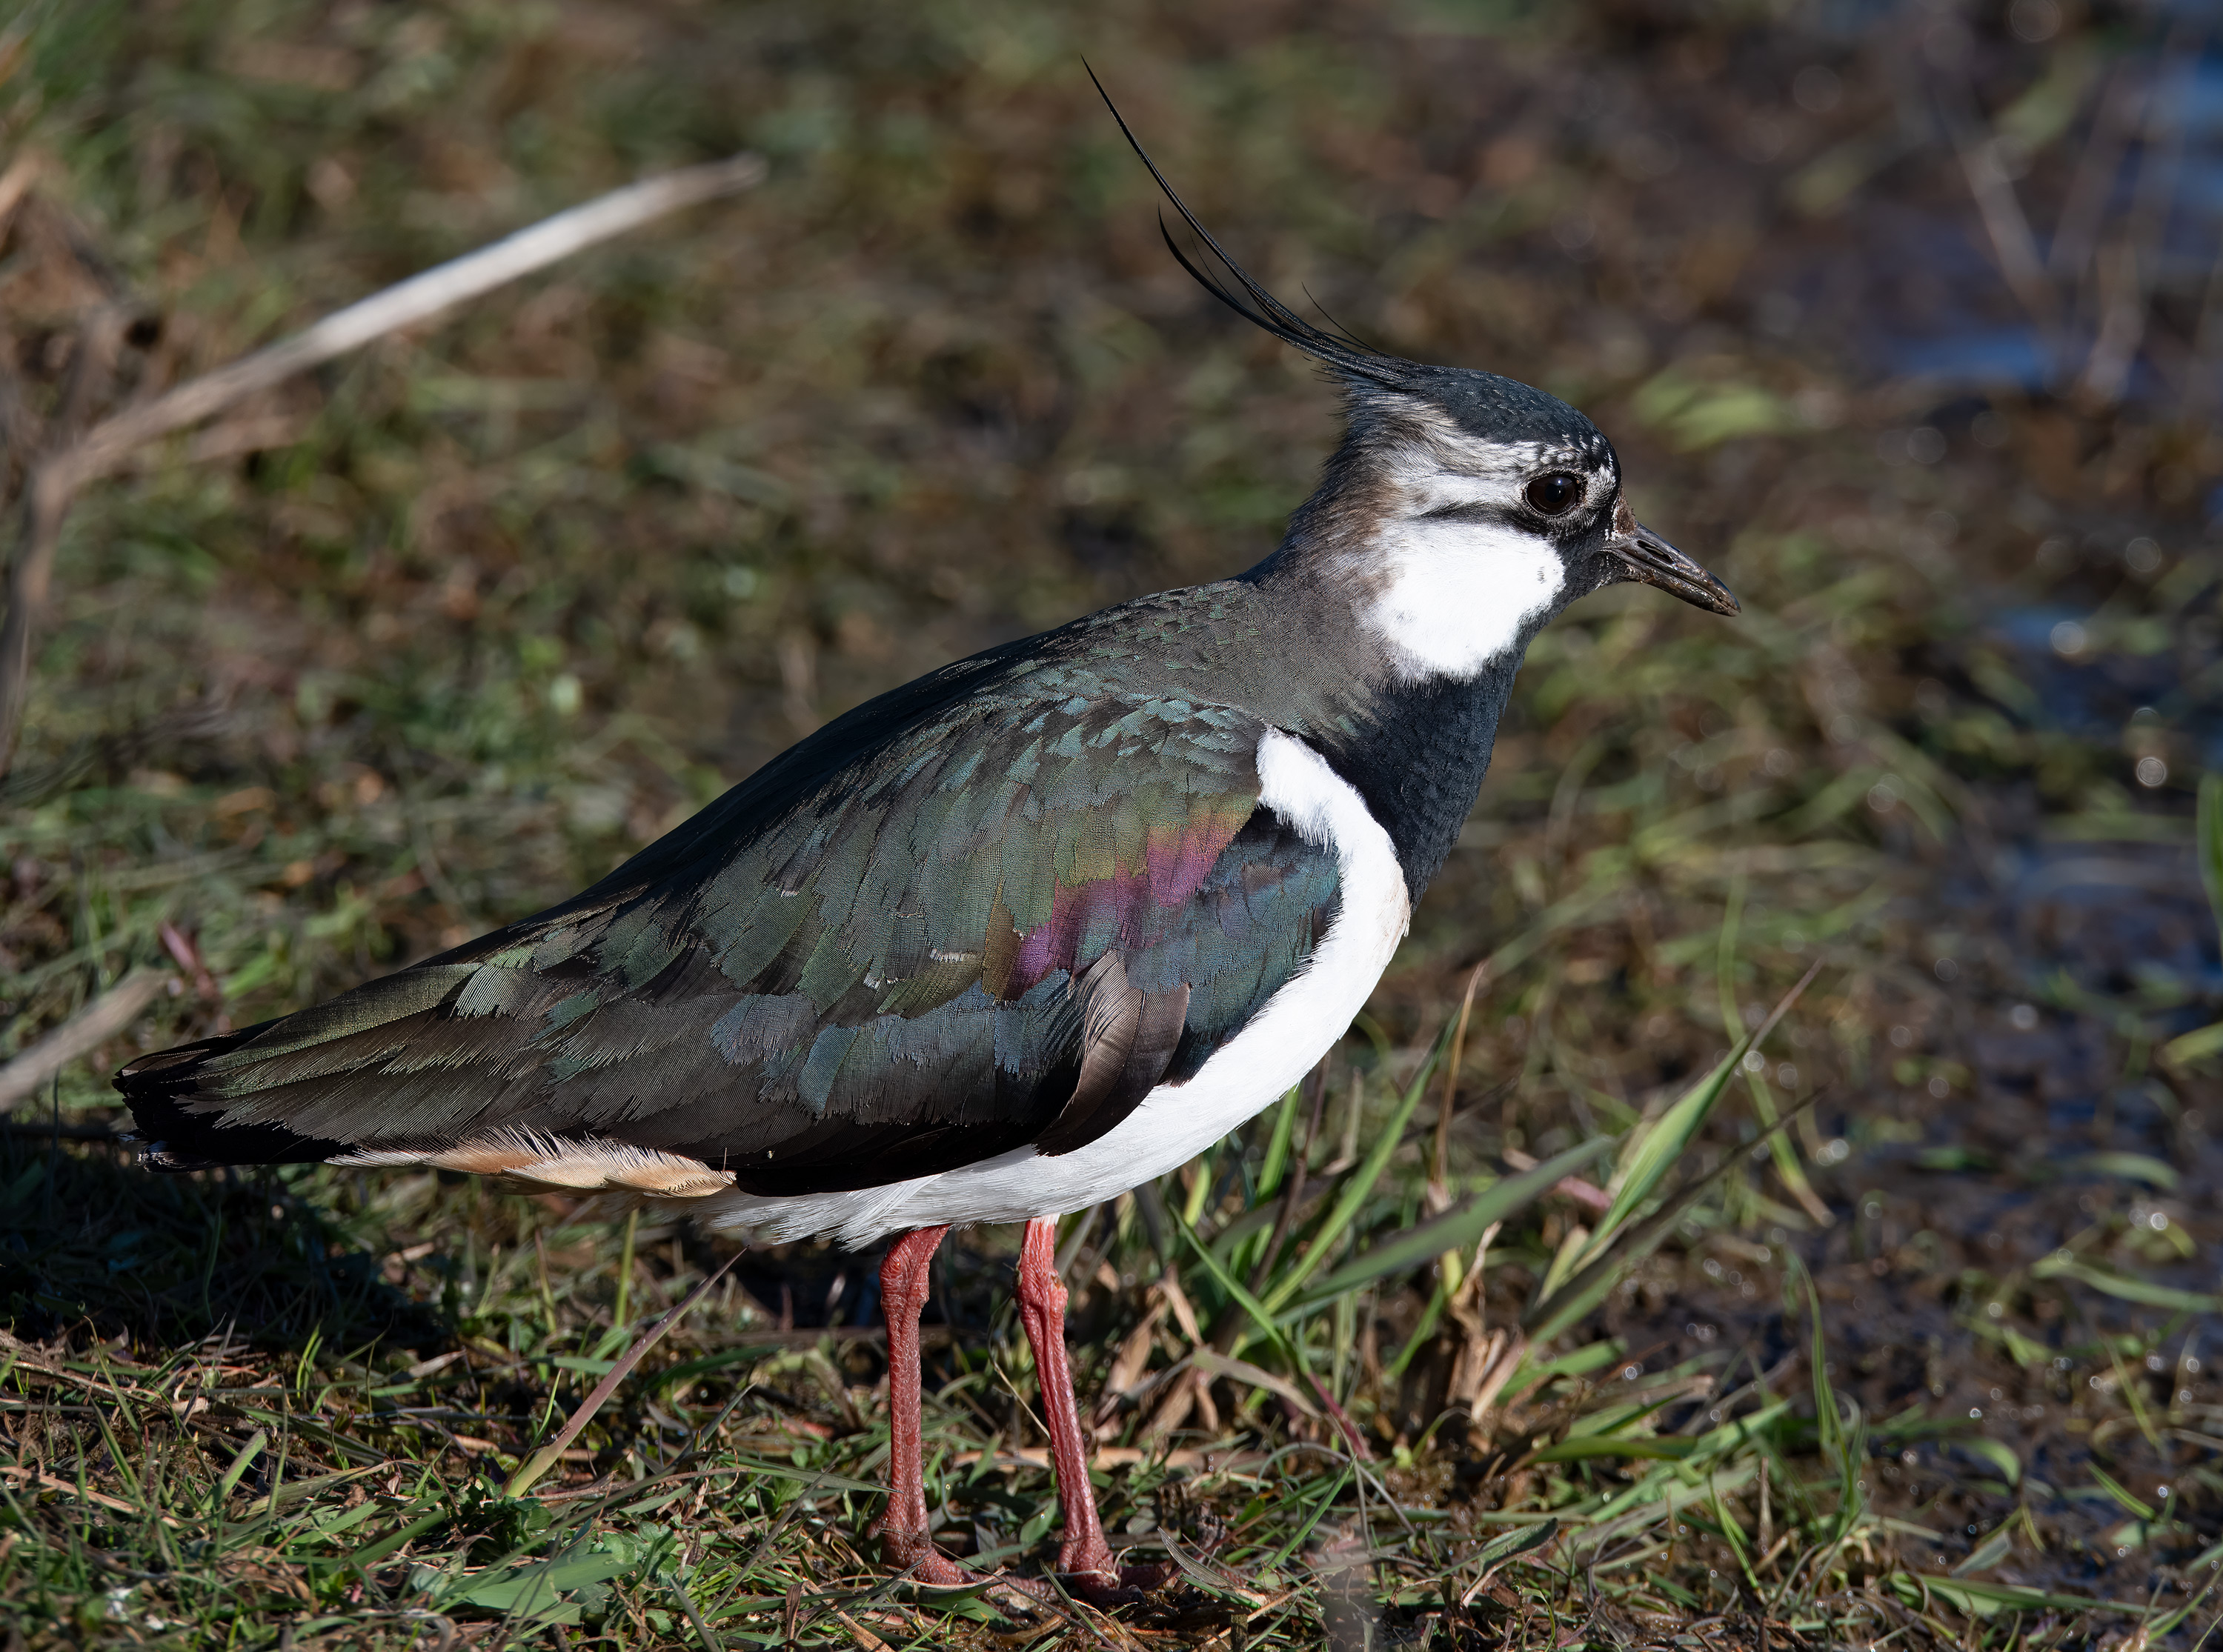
x: 1463, y: 509
x: 1467, y: 509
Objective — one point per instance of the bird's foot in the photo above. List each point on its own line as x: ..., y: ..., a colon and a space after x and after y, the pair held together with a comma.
x: 1088, y: 1572
x: 1118, y: 1586
x: 912, y: 1551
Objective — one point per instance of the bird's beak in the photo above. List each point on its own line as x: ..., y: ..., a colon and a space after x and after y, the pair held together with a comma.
x: 1646, y: 556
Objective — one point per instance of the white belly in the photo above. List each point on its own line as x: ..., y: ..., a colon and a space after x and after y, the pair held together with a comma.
x: 1175, y: 1123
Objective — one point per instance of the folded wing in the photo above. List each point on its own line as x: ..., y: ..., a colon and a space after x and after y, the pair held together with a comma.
x: 1002, y: 921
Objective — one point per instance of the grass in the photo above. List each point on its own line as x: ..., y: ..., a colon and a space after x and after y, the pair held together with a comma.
x: 322, y: 1472
x: 435, y: 639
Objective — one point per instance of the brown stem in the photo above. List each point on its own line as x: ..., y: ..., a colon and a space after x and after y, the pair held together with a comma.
x: 551, y: 1454
x: 56, y: 479
x: 92, y: 1026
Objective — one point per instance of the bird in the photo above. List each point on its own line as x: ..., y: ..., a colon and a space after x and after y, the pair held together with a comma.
x: 1014, y: 938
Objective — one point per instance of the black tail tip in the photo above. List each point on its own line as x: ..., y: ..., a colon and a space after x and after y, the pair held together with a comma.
x: 173, y: 1134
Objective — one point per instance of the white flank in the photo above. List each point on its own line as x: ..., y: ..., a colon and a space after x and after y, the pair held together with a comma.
x: 1175, y: 1123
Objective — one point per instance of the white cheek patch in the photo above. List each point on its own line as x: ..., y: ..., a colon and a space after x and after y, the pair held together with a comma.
x: 1459, y: 594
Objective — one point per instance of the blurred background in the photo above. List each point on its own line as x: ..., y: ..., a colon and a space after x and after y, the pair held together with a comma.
x: 1906, y: 318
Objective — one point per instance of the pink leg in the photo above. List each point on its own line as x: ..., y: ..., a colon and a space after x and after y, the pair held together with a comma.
x: 902, y: 1527
x: 1041, y: 1307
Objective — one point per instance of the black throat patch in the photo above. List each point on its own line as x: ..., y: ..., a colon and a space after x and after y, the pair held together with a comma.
x: 1417, y: 755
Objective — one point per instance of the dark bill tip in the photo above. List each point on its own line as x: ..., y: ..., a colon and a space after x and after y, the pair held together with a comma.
x: 1645, y: 556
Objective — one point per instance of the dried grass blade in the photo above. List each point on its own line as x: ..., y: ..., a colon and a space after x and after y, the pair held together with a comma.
x: 92, y: 1026
x: 56, y: 479
x: 551, y: 1454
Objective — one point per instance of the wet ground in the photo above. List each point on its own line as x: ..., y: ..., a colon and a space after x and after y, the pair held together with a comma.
x: 1943, y: 1283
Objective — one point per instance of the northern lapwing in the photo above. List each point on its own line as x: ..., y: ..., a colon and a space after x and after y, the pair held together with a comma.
x: 1017, y: 937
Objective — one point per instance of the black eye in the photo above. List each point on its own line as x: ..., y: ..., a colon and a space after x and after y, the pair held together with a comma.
x: 1553, y: 493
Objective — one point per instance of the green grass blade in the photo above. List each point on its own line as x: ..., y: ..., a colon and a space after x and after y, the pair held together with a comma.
x: 364, y: 1558
x: 1565, y: 1262
x: 2208, y: 832
x: 1763, y: 1097
x: 2124, y: 1288
x: 1732, y: 1530
x: 1277, y: 1146
x: 1556, y: 1310
x: 2129, y: 1502
x: 1994, y: 1454
x: 1532, y: 1370
x: 1260, y: 1315
x: 1521, y: 1540
x: 523, y: 1590
x: 1320, y: 1507
x: 1984, y: 1599
x: 1207, y: 1173
x: 247, y: 1453
x: 1456, y: 1229
x: 2198, y: 1045
x: 1649, y: 1159
x: 1357, y: 1186
x: 1423, y: 1333
x: 2137, y: 1168
x: 1585, y: 1446
x: 1844, y: 1449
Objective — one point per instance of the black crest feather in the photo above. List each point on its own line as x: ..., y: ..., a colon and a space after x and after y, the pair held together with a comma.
x: 1487, y: 405
x: 1338, y: 350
